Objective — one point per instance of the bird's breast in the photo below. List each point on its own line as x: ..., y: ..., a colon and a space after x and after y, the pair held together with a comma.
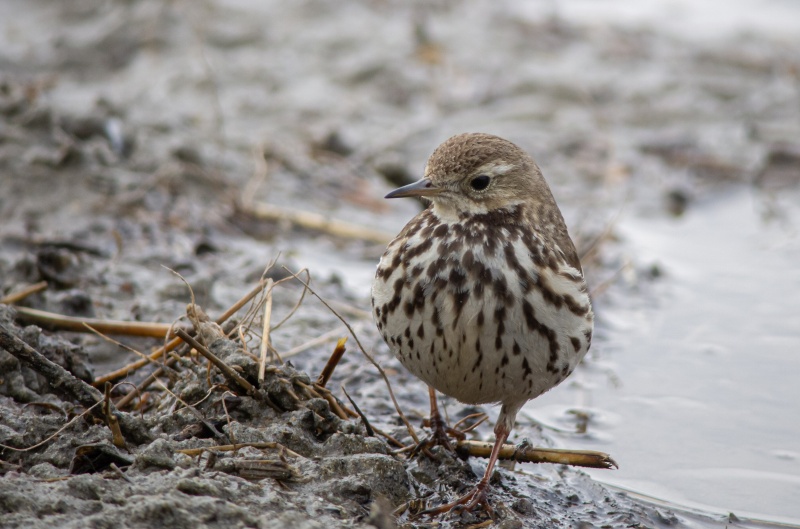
x: 483, y: 311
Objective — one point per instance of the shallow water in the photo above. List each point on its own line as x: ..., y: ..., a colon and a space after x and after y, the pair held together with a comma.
x: 711, y: 18
x: 704, y: 404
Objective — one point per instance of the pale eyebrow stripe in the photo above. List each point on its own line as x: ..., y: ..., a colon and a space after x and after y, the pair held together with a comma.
x: 494, y: 168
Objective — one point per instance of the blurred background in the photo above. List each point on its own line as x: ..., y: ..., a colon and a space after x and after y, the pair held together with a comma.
x: 669, y: 130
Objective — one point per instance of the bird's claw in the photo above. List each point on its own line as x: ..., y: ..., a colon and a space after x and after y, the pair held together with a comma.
x: 440, y: 436
x: 466, y: 503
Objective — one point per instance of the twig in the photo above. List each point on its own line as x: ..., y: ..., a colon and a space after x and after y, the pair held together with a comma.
x: 340, y: 411
x: 152, y: 357
x: 328, y: 336
x: 258, y: 469
x: 66, y: 384
x: 578, y: 458
x: 133, y: 366
x: 115, y: 342
x: 242, y: 302
x: 317, y: 391
x: 61, y: 380
x: 603, y: 285
x: 388, y: 437
x: 483, y: 418
x: 262, y: 361
x: 250, y: 315
x: 51, y: 437
x: 255, y: 306
x: 111, y: 418
x: 152, y: 377
x: 124, y: 401
x: 299, y: 301
x: 333, y: 361
x: 199, y: 416
x: 49, y: 406
x: 370, y: 431
x: 369, y: 357
x: 350, y: 310
x: 228, y: 371
x: 594, y: 245
x: 239, y: 329
x: 314, y: 221
x: 231, y: 436
x: 23, y: 293
x: 51, y: 320
x: 233, y: 447
x: 120, y: 473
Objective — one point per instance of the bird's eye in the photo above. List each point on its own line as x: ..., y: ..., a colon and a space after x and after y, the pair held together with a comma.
x: 480, y: 182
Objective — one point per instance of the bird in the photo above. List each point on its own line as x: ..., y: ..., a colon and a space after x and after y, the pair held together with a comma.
x: 482, y: 295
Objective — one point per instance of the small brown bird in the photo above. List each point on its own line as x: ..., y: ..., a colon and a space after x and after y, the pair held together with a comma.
x: 482, y: 295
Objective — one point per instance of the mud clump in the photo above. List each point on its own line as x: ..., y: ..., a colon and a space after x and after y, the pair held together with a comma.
x: 301, y: 465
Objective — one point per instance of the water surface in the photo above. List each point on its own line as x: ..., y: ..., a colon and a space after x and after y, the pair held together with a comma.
x: 702, y: 404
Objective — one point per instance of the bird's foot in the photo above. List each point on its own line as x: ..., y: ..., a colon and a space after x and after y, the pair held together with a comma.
x: 439, y: 430
x: 466, y: 503
x: 441, y: 433
x: 440, y: 436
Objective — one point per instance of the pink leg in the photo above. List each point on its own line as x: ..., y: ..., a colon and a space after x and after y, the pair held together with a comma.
x: 477, y: 496
x: 437, y: 423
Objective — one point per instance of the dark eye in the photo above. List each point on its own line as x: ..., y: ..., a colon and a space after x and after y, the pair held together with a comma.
x: 480, y: 182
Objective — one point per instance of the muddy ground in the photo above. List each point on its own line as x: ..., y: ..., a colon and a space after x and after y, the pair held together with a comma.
x: 135, y: 136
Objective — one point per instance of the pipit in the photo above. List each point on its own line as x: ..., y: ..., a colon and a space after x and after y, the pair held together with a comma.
x: 482, y: 295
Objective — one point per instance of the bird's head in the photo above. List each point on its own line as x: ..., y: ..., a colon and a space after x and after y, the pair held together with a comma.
x: 476, y: 173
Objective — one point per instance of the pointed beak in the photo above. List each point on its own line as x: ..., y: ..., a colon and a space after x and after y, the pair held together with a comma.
x: 420, y: 188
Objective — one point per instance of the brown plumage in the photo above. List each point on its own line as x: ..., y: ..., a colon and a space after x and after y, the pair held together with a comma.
x: 482, y: 295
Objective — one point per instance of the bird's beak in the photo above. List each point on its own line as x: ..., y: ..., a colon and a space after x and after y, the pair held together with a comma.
x: 420, y: 188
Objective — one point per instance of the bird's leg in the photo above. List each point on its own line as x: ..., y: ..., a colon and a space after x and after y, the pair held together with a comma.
x: 437, y: 423
x: 477, y: 496
x: 439, y: 429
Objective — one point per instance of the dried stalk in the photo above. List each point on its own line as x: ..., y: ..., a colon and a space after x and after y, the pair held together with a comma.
x: 111, y: 418
x: 232, y: 447
x: 115, y: 342
x: 54, y: 435
x: 126, y: 370
x: 199, y: 416
x: 228, y: 371
x: 577, y: 458
x: 367, y: 425
x: 262, y: 361
x: 51, y: 320
x: 130, y: 368
x: 151, y: 378
x: 333, y: 361
x: 19, y: 295
x: 321, y: 339
x: 299, y: 301
x: 250, y: 315
x: 314, y: 221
